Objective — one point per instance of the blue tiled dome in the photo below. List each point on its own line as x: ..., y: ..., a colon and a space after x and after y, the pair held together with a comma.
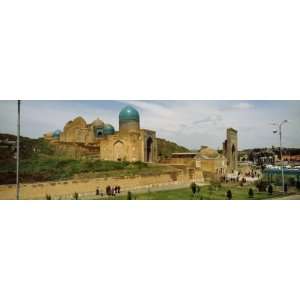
x: 128, y: 113
x: 56, y: 133
x: 108, y: 129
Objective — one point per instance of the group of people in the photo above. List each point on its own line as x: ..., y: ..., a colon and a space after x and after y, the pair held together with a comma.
x: 225, y: 179
x: 252, y: 174
x: 110, y: 191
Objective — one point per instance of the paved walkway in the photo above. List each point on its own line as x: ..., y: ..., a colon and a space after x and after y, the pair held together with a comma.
x: 290, y: 197
x: 141, y: 191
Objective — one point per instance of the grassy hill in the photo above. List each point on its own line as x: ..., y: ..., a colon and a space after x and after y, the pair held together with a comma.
x: 29, y: 148
x: 40, y: 161
x: 49, y: 169
x: 166, y: 148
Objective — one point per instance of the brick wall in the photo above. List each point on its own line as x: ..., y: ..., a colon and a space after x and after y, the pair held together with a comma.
x: 69, y: 187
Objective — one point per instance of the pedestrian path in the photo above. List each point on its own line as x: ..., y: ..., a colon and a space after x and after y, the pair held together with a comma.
x: 140, y: 191
x: 290, y: 197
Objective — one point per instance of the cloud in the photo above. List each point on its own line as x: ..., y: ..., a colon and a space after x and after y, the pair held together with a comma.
x: 189, y: 123
x: 243, y: 105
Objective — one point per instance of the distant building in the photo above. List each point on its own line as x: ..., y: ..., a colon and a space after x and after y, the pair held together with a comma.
x: 211, y: 163
x: 291, y: 158
x: 130, y: 143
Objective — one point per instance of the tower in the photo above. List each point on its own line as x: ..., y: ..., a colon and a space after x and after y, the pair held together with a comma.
x: 230, y: 149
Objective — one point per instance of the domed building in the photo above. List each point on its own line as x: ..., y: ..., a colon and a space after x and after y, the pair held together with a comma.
x: 130, y: 143
x: 108, y: 129
x: 211, y: 161
x: 56, y: 134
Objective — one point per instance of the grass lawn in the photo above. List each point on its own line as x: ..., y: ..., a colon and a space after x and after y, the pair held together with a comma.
x: 205, y: 193
x: 54, y: 168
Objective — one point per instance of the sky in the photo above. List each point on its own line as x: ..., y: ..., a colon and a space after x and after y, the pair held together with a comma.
x: 188, y: 123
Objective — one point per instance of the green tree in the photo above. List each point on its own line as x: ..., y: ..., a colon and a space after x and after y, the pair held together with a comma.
x: 229, y: 195
x: 292, y: 181
x: 251, y: 193
x: 261, y: 185
x: 193, y: 187
x: 270, y: 189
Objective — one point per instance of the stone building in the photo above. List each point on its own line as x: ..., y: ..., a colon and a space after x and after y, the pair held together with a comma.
x: 230, y: 150
x: 130, y: 143
x: 211, y: 163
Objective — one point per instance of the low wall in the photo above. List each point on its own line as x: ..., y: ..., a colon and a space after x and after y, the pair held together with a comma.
x: 84, y: 186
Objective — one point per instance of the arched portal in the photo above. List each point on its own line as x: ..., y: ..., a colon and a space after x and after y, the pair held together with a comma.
x: 149, y: 149
x: 119, y: 151
x: 99, y: 132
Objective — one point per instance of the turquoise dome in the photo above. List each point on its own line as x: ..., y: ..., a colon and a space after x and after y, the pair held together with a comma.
x: 56, y: 133
x: 128, y: 113
x: 108, y: 129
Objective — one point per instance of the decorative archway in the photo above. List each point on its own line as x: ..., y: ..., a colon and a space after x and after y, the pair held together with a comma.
x: 149, y: 149
x: 119, y: 151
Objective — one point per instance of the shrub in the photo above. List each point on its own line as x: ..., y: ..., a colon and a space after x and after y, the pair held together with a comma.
x: 292, y: 181
x: 198, y: 189
x: 193, y: 187
x: 129, y: 195
x: 261, y: 186
x: 48, y: 197
x: 76, y: 196
x: 270, y: 189
x: 298, y: 185
x: 229, y: 195
x: 251, y: 193
x: 285, y: 188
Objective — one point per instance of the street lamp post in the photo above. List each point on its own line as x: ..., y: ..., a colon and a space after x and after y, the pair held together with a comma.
x: 280, y: 143
x: 18, y: 152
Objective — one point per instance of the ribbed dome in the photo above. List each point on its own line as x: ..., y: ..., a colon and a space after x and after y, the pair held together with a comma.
x: 208, y: 153
x: 56, y: 133
x: 129, y: 113
x: 108, y: 129
x: 98, y: 123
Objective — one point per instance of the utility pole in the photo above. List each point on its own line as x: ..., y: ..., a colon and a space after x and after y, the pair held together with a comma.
x: 280, y: 140
x: 280, y: 137
x: 18, y: 151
